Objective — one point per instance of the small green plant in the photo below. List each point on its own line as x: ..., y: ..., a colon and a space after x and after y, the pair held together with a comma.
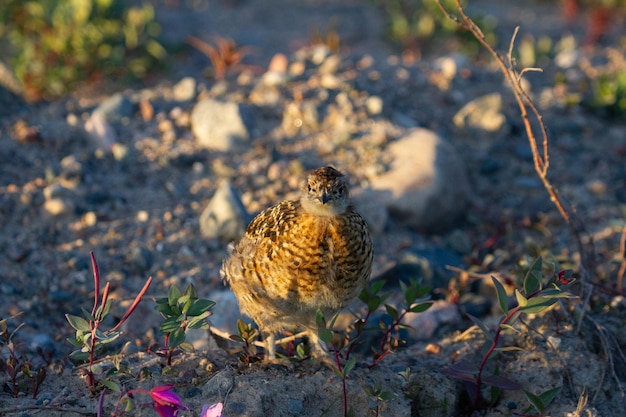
x: 90, y: 339
x: 52, y: 45
x: 22, y: 374
x: 379, y: 395
x: 182, y: 311
x: 536, y: 296
x: 247, y: 335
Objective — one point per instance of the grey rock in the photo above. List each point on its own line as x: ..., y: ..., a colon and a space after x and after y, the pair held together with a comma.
x: 424, y: 325
x: 71, y: 170
x: 427, y: 181
x: 225, y: 218
x: 483, y: 113
x: 115, y: 108
x: 219, y: 386
x: 141, y: 258
x: 222, y: 126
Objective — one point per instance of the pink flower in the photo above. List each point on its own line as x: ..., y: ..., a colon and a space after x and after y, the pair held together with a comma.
x: 166, y: 402
x: 213, y: 411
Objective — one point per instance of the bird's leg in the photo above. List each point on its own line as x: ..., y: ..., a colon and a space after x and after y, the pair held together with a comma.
x: 270, y: 346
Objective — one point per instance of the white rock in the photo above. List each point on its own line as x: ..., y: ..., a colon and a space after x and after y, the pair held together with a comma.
x: 426, y: 187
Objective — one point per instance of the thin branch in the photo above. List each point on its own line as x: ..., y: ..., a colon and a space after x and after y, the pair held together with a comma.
x: 527, y: 107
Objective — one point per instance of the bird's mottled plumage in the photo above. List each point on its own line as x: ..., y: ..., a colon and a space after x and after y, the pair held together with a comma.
x: 300, y: 256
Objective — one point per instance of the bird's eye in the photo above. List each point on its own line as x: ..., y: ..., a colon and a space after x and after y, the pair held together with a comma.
x: 309, y: 187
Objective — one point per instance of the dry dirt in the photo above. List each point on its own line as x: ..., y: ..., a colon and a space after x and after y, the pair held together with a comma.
x: 139, y: 214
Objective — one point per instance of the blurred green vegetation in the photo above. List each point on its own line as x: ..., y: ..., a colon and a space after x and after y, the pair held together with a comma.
x: 417, y: 25
x: 52, y: 45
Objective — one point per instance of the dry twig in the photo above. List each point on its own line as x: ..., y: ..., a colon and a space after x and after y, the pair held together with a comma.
x: 527, y: 108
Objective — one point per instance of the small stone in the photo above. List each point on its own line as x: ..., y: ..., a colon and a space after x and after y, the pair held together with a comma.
x: 115, y: 108
x: 185, y: 89
x: 225, y: 218
x: 597, y: 187
x: 58, y: 206
x: 141, y: 258
x: 89, y: 218
x: 71, y: 171
x: 374, y: 105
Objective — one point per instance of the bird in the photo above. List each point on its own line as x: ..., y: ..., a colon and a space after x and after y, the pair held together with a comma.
x: 301, y: 256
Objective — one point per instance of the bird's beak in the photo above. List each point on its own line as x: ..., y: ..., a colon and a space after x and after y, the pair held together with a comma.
x: 325, y: 198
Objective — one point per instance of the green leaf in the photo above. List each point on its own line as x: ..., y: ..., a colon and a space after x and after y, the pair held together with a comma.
x: 164, y: 309
x: 480, y: 324
x: 169, y: 325
x: 502, y: 297
x: 174, y: 295
x: 509, y: 327
x: 186, y: 346
x: 109, y: 337
x: 538, y: 304
x: 532, y: 281
x: 78, y: 323
x: 107, y: 308
x: 79, y: 356
x: 536, y: 401
x: 191, y: 292
x: 177, y: 337
x: 377, y: 286
x: 111, y: 385
x: 521, y: 300
x: 421, y: 307
x: 325, y: 335
x: 200, y: 306
x: 391, y: 311
x: 320, y: 320
x: 548, y: 396
x: 74, y: 342
x: 199, y: 322
x: 349, y: 366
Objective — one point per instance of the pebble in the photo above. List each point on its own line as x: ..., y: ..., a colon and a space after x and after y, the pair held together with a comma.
x: 225, y: 218
x: 115, y: 108
x: 427, y: 182
x: 374, y: 105
x: 185, y: 89
x: 222, y: 126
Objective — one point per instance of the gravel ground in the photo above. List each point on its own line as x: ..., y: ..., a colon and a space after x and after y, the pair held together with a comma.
x: 134, y: 195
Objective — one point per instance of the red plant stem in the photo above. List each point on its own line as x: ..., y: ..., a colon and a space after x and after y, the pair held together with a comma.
x: 492, y: 348
x: 133, y: 305
x: 358, y: 334
x: 386, y: 338
x: 96, y: 282
x: 343, y: 383
x: 494, y: 345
